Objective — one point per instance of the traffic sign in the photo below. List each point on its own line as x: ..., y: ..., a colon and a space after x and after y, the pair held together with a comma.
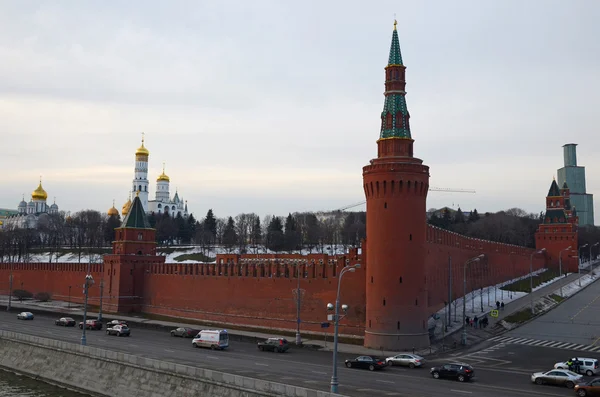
x: 494, y: 313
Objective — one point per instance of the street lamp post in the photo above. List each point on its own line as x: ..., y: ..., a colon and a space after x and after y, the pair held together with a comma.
x: 89, y: 281
x: 591, y: 246
x: 579, y: 262
x: 464, y: 334
x: 336, y: 319
x: 449, y: 291
x: 69, y: 304
x: 531, y: 275
x: 560, y: 266
x: 10, y: 283
x: 101, y: 292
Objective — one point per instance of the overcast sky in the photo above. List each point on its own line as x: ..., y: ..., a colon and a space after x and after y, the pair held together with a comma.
x: 273, y: 107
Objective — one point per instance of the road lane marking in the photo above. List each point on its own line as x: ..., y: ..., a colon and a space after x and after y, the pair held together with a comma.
x: 261, y: 364
x: 585, y: 307
x: 101, y: 340
x: 461, y: 391
x: 133, y: 345
x: 319, y: 372
x: 50, y: 332
x: 596, y: 341
x: 170, y: 351
x: 212, y: 357
x: 311, y: 381
x: 384, y: 381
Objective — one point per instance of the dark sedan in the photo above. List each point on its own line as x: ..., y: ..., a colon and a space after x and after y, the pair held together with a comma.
x: 458, y: 371
x: 183, y: 332
x: 65, y: 322
x: 366, y: 362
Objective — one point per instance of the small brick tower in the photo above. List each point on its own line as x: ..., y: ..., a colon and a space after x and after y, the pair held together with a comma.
x: 559, y: 229
x: 134, y: 250
x: 396, y: 186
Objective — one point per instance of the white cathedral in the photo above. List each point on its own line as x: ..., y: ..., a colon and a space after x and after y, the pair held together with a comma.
x: 163, y: 203
x: 30, y: 213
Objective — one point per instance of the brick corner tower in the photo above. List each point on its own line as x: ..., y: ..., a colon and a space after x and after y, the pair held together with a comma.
x: 134, y: 250
x: 558, y: 230
x: 396, y: 186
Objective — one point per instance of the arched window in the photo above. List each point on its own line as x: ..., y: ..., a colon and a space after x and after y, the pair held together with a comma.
x: 399, y: 120
x: 159, y: 205
x: 388, y: 121
x: 140, y: 188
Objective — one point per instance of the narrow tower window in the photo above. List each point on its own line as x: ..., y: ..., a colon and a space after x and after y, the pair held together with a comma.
x: 384, y: 205
x: 400, y: 280
x: 384, y: 302
x: 416, y: 302
x: 371, y: 279
x: 398, y: 325
x: 410, y: 237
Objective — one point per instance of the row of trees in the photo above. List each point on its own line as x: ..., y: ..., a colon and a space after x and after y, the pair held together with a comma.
x: 90, y: 233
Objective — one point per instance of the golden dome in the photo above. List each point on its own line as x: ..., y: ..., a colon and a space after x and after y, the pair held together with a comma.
x: 126, y: 207
x: 142, y: 151
x: 163, y: 176
x: 39, y: 193
x: 112, y: 211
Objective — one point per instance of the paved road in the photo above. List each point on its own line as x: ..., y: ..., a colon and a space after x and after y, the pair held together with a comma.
x: 576, y: 320
x: 300, y: 367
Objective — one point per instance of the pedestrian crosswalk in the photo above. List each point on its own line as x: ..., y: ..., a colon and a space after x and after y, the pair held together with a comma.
x: 545, y: 343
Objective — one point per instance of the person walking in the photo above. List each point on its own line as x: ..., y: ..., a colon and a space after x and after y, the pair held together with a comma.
x: 475, y: 319
x: 497, y: 305
x: 467, y: 320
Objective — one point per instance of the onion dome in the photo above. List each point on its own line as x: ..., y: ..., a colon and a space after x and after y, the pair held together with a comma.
x: 142, y: 151
x: 54, y: 206
x: 126, y: 207
x: 23, y: 203
x: 39, y: 193
x: 112, y: 211
x: 30, y: 204
x: 163, y: 177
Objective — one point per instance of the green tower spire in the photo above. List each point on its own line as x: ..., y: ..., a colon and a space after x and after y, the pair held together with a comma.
x: 395, y: 116
x: 395, y: 55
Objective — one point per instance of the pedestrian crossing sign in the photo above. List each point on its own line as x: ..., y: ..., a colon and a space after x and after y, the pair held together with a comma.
x: 494, y: 313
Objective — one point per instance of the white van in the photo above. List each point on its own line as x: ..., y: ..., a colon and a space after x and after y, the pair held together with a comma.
x: 215, y: 339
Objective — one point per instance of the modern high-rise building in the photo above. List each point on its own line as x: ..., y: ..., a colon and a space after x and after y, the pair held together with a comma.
x: 574, y: 176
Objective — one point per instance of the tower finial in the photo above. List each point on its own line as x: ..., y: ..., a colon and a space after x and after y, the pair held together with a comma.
x: 137, y: 193
x: 395, y: 22
x: 113, y: 202
x: 163, y: 167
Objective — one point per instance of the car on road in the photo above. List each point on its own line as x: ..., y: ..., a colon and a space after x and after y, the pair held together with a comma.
x: 65, y: 322
x: 184, y: 332
x: 119, y: 330
x: 558, y: 377
x: 115, y: 322
x: 406, y: 360
x: 25, y: 316
x: 91, y: 324
x: 588, y: 366
x: 279, y: 345
x: 591, y: 388
x: 366, y: 362
x: 459, y: 371
x: 213, y: 338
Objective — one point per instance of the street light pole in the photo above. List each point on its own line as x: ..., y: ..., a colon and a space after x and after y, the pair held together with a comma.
x: 298, y: 337
x: 464, y: 334
x: 334, y: 377
x: 69, y: 304
x: 10, y: 285
x: 89, y: 280
x: 579, y: 262
x: 531, y: 275
x: 560, y: 266
x: 449, y: 291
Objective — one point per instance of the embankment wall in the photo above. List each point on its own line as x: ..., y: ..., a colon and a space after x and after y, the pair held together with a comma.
x: 110, y: 373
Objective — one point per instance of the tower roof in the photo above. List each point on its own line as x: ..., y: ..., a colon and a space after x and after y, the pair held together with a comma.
x: 395, y: 54
x: 142, y: 151
x: 554, y: 190
x: 39, y: 193
x: 565, y: 186
x: 136, y: 217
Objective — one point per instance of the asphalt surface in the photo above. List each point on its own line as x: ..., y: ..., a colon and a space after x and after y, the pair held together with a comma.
x: 312, y: 369
x: 576, y: 320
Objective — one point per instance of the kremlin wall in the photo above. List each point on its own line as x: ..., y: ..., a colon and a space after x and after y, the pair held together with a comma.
x: 407, y: 267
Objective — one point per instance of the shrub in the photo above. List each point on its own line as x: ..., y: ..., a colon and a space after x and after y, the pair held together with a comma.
x: 42, y: 297
x: 22, y: 294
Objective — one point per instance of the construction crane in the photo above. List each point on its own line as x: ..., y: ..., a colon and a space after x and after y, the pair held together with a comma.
x: 431, y: 189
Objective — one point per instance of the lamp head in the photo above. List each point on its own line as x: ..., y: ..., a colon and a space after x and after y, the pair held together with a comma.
x: 357, y: 266
x: 481, y: 256
x: 542, y: 250
x: 345, y: 308
x: 330, y: 306
x: 351, y: 269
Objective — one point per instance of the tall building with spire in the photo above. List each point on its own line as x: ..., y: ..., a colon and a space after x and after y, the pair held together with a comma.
x: 396, y: 185
x: 574, y: 176
x: 163, y: 203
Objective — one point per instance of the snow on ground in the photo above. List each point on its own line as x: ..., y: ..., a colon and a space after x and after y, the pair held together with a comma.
x: 575, y: 286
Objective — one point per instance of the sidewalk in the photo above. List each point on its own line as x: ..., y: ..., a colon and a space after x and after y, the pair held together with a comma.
x: 569, y: 285
x: 61, y: 309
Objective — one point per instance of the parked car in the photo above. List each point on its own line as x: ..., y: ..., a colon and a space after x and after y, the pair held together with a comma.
x: 184, y: 332
x: 459, y: 371
x: 65, y: 322
x: 119, y: 330
x: 560, y: 377
x: 91, y: 324
x: 279, y: 345
x: 25, y: 316
x: 588, y: 366
x: 115, y: 322
x: 406, y: 360
x: 366, y: 362
x: 591, y: 388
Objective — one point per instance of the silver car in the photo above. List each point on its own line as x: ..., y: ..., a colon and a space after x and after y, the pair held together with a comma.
x: 558, y: 377
x: 406, y: 360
